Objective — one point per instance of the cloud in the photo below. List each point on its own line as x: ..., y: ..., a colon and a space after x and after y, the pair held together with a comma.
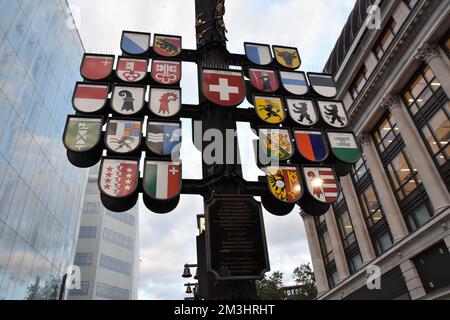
x: 167, y: 242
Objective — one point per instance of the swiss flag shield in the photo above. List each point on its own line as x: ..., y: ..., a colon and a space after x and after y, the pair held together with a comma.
x: 96, y: 67
x: 223, y: 87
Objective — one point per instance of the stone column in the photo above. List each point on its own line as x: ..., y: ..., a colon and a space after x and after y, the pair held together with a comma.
x: 431, y: 179
x: 412, y: 279
x: 429, y: 53
x: 316, y: 254
x: 358, y: 221
x: 388, y: 201
x: 336, y: 244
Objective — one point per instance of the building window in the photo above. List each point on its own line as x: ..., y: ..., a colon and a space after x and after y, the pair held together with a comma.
x: 386, y: 133
x: 118, y: 239
x: 402, y: 173
x: 115, y: 265
x: 88, y: 233
x: 83, y: 259
x: 359, y: 82
x: 411, y: 3
x: 83, y: 291
x: 91, y: 208
x: 347, y: 234
x: 429, y: 107
x: 112, y: 293
x: 327, y: 250
x: 122, y: 217
x: 371, y: 207
x: 385, y: 39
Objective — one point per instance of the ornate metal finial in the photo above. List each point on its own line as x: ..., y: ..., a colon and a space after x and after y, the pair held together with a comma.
x: 364, y: 139
x: 210, y: 24
x: 391, y: 101
x: 427, y: 52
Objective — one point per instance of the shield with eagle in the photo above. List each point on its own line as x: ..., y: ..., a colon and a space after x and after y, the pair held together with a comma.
x: 322, y: 183
x: 165, y: 102
x: 285, y: 183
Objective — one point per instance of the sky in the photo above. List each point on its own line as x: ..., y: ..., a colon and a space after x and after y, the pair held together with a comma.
x: 167, y: 242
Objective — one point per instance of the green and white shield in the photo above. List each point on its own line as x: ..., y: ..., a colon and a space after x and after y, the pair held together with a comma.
x: 344, y: 146
x: 162, y: 180
x: 82, y: 133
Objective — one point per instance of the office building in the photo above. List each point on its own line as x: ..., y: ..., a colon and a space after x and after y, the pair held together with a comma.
x: 41, y: 193
x: 107, y: 250
x: 394, y: 211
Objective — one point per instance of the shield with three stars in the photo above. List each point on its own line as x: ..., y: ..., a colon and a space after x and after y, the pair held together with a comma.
x: 285, y: 183
x: 118, y: 177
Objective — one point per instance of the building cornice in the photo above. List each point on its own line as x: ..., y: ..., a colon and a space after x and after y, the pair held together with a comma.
x: 402, y: 43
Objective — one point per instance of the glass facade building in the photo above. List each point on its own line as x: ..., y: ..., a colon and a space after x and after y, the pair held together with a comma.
x: 41, y: 193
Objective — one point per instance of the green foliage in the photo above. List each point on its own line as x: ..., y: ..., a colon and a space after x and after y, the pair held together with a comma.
x: 304, y: 278
x: 270, y: 288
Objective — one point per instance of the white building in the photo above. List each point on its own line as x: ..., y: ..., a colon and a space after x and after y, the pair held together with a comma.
x: 394, y: 212
x: 107, y: 250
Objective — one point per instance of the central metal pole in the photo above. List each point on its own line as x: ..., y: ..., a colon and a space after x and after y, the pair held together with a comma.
x: 211, y: 45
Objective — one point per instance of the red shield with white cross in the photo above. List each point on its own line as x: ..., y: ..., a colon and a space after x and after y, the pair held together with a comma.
x: 223, y: 87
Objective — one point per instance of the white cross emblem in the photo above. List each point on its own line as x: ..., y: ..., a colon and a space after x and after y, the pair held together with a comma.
x: 174, y: 171
x: 224, y: 89
x: 106, y: 62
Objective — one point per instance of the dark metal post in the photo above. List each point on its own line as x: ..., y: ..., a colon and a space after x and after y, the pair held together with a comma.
x: 211, y: 45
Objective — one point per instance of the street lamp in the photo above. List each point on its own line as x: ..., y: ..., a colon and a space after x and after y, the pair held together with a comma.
x: 187, y: 270
x: 189, y: 288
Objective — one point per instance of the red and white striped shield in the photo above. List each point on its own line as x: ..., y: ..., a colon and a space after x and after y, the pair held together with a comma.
x: 96, y: 67
x: 132, y: 70
x: 322, y: 183
x: 90, y: 98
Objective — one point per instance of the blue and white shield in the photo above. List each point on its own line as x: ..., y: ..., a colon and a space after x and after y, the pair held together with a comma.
x: 135, y: 42
x: 294, y: 82
x: 259, y: 54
